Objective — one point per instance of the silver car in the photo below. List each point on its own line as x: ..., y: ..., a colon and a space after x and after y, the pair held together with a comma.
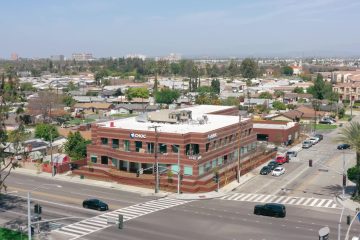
x: 307, y: 144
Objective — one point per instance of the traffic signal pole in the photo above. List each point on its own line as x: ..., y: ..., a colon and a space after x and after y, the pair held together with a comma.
x: 156, y: 159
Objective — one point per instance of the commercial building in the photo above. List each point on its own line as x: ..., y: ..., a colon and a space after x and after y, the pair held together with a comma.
x: 277, y: 131
x: 57, y: 58
x: 205, y: 139
x: 82, y: 57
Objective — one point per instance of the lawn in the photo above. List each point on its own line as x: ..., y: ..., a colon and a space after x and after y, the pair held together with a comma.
x: 325, y: 126
x: 78, y: 121
x: 7, y: 234
x: 119, y: 115
x: 346, y: 117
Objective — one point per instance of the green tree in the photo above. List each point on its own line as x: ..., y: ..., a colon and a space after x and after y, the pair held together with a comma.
x: 230, y: 101
x: 353, y: 175
x: 279, y: 93
x: 320, y: 89
x: 298, y: 90
x: 233, y: 69
x: 175, y: 68
x: 215, y: 85
x: 69, y: 101
x: 166, y: 96
x: 265, y: 95
x: 46, y: 131
x: 351, y: 135
x: 132, y: 93
x: 279, y: 105
x: 75, y: 146
x: 288, y: 71
x: 26, y: 86
x: 205, y: 89
x: 249, y: 68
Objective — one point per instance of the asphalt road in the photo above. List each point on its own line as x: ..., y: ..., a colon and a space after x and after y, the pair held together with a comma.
x: 230, y: 220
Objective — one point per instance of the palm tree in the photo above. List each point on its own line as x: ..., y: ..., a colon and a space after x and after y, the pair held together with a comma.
x: 351, y: 136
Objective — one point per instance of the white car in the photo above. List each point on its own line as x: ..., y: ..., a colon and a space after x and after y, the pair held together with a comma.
x: 278, y: 171
x: 314, y: 140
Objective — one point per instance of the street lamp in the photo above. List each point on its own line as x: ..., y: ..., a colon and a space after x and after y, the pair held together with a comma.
x: 179, y: 168
x: 29, y: 205
x: 156, y: 158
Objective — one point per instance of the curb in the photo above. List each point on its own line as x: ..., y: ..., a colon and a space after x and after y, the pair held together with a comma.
x: 205, y: 196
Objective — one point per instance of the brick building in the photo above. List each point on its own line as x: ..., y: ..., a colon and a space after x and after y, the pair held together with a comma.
x: 208, y: 139
x: 277, y: 131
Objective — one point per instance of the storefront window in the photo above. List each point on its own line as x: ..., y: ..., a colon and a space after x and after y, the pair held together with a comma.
x: 201, y: 170
x: 207, y: 166
x: 188, y: 170
x: 220, y: 161
x: 127, y: 145
x: 175, y: 168
x: 213, y: 163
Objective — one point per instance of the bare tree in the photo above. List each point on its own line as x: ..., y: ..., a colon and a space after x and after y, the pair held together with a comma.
x: 45, y: 104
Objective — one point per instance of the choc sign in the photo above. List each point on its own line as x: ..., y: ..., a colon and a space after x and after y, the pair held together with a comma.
x: 137, y: 135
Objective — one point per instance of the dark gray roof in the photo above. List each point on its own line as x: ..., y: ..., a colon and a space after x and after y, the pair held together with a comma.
x: 137, y: 106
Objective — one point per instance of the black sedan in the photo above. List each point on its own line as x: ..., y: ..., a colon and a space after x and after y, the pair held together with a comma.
x: 273, y: 165
x: 265, y: 170
x: 343, y: 146
x: 95, y: 204
x: 270, y: 209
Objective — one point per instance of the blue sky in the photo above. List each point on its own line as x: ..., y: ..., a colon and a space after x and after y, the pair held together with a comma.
x: 41, y: 28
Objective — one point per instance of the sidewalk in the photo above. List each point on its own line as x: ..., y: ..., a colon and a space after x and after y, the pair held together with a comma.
x: 347, y: 203
x: 76, y: 179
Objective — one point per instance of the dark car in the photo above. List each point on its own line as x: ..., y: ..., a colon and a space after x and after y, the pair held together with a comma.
x: 265, y: 170
x: 273, y: 165
x: 327, y: 121
x: 343, y: 146
x: 270, y: 209
x: 95, y: 204
x: 319, y: 136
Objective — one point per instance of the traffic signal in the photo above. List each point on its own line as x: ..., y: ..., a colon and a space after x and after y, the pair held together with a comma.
x: 216, y: 177
x: 348, y: 219
x: 37, y: 209
x: 137, y: 173
x: 344, y: 180
x: 155, y: 168
x: 181, y: 177
x: 310, y: 163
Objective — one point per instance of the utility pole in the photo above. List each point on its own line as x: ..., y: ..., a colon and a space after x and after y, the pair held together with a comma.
x: 156, y: 158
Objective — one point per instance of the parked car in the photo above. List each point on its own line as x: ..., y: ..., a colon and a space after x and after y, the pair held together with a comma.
x: 319, y: 136
x: 306, y: 144
x: 329, y: 118
x: 343, y: 146
x: 281, y: 159
x: 270, y: 209
x: 95, y: 204
x: 278, y: 171
x: 326, y: 121
x: 265, y: 170
x: 314, y: 140
x: 291, y: 153
x: 272, y: 164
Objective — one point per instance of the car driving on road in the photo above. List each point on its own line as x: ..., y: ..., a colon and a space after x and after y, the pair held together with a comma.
x: 291, y: 153
x: 265, y: 170
x: 281, y: 159
x: 343, y: 146
x: 95, y: 204
x: 272, y: 164
x: 319, y: 136
x: 306, y: 144
x: 270, y: 209
x: 278, y: 171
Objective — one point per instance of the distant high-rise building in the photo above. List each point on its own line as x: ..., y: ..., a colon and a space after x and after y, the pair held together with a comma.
x: 172, y: 57
x: 140, y: 56
x: 14, y: 57
x: 57, y: 58
x: 82, y: 57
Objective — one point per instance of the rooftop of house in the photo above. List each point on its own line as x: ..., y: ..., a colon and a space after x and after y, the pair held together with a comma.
x: 96, y: 105
x: 197, y: 123
x: 266, y: 125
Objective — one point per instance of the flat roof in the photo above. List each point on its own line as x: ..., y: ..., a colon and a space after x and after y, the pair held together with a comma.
x: 214, y: 121
x: 274, y: 126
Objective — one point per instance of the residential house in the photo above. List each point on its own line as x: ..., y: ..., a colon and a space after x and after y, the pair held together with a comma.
x: 133, y: 108
x: 93, y: 108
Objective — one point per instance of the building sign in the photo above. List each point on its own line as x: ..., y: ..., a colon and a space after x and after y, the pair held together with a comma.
x: 137, y: 135
x: 212, y: 136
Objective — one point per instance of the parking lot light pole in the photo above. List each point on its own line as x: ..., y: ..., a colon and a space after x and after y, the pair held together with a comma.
x: 29, y: 205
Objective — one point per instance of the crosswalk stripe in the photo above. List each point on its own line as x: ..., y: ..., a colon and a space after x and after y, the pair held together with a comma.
x: 314, y: 202
x: 321, y: 202
x: 235, y: 196
x: 307, y: 201
x: 239, y: 196
x: 267, y: 198
x: 258, y: 198
x: 291, y: 200
x: 87, y: 226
